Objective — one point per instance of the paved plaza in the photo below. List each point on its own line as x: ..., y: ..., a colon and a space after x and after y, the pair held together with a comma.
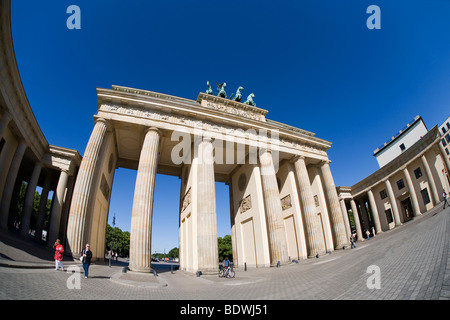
x: 409, y: 262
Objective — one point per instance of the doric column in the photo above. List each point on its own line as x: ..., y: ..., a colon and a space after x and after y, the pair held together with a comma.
x: 337, y: 221
x: 41, y: 210
x: 375, y: 215
x: 314, y: 231
x: 412, y: 193
x: 10, y: 182
x: 345, y: 216
x: 393, y: 202
x: 84, y: 187
x: 58, y: 202
x: 356, y: 219
x: 29, y: 199
x: 275, y: 224
x: 6, y: 118
x: 141, y: 219
x: 208, y: 255
x: 434, y: 193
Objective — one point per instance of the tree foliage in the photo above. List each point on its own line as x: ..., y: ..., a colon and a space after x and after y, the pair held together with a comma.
x: 118, y: 240
x: 225, y: 248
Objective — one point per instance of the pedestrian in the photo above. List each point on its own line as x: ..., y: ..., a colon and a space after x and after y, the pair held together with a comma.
x: 87, y: 256
x: 444, y: 195
x: 373, y: 231
x: 59, y: 250
x: 368, y: 234
x: 352, y: 240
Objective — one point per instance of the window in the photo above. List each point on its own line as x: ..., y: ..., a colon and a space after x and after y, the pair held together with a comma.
x: 444, y: 130
x: 383, y: 194
x: 425, y: 196
x: 418, y: 173
x: 447, y: 137
x: 443, y: 142
x: 402, y: 147
x: 388, y: 214
x: 400, y: 184
x: 448, y: 125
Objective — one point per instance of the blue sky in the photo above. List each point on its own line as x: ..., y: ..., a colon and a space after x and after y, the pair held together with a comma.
x: 313, y: 64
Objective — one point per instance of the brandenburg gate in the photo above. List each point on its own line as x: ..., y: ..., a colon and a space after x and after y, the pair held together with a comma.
x: 283, y: 199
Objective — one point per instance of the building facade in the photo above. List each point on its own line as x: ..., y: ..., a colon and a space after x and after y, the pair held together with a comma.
x: 283, y: 200
x: 400, y: 142
x: 444, y: 130
x: 405, y: 187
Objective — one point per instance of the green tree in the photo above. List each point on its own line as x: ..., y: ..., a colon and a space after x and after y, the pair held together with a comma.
x: 225, y: 248
x: 118, y: 240
x: 174, y: 253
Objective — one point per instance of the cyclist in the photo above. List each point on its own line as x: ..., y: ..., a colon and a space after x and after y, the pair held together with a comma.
x: 226, y: 266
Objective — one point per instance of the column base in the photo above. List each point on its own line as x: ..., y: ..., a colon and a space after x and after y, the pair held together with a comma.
x: 140, y: 269
x: 282, y: 263
x: 209, y: 271
x: 321, y: 253
x: 342, y: 246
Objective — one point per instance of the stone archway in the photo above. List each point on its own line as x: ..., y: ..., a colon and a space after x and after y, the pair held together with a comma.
x: 278, y: 176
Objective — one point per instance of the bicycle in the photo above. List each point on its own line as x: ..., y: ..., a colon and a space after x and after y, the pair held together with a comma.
x: 226, y: 272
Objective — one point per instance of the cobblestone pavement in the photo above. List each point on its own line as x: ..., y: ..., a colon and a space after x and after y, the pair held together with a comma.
x: 409, y: 262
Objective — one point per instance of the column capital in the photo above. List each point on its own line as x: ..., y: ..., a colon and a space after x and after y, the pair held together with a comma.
x: 297, y: 157
x: 107, y: 123
x: 324, y: 162
x: 207, y: 138
x: 152, y: 129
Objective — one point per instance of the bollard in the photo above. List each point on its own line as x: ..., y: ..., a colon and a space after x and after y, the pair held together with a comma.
x: 245, y: 266
x: 171, y: 268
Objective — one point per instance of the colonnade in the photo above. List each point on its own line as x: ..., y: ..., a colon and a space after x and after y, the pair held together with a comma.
x: 395, y: 195
x: 200, y: 209
x: 54, y: 170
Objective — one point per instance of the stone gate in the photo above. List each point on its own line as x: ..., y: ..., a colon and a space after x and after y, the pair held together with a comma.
x: 283, y: 200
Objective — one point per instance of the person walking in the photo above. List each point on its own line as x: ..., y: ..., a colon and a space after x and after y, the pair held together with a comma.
x: 368, y: 234
x: 87, y: 256
x: 444, y: 195
x: 59, y: 250
x: 352, y: 240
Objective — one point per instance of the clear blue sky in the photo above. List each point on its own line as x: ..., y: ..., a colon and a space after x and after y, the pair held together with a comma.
x: 313, y: 64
